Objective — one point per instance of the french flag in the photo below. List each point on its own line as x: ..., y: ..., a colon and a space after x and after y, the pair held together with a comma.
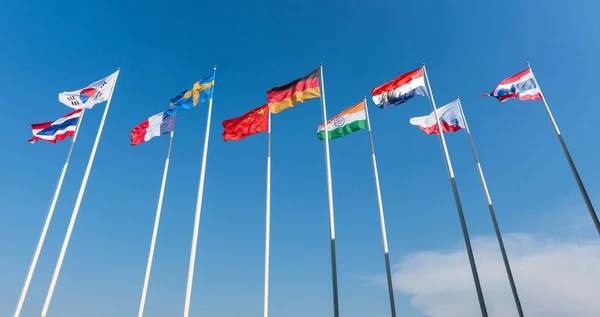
x: 57, y: 130
x: 400, y: 89
x: 157, y: 125
x: 450, y: 117
x: 521, y: 85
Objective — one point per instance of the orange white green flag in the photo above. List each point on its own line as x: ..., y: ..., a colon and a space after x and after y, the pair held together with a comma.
x: 348, y: 121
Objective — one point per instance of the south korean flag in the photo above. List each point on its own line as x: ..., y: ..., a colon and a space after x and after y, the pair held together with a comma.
x: 87, y: 97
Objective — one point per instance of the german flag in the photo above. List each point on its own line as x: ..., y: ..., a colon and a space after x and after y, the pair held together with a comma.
x: 299, y: 90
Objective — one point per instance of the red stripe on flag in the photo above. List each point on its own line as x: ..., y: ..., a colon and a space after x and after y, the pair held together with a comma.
x: 40, y: 126
x: 138, y: 133
x: 398, y: 82
x: 515, y: 77
x: 58, y: 137
x: 445, y: 127
x: 274, y: 96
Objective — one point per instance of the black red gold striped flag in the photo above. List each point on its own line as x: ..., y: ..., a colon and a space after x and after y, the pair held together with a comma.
x: 299, y: 90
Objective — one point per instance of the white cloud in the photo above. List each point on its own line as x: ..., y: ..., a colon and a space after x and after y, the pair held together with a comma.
x: 554, y: 278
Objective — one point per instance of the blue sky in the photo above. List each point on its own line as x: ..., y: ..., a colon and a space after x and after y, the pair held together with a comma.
x: 163, y: 48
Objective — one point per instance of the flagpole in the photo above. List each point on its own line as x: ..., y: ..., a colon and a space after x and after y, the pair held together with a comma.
x: 190, y: 280
x: 86, y: 175
x: 511, y: 280
x: 267, y: 224
x: 381, y: 217
x: 42, y: 238
x: 461, y: 215
x: 584, y: 193
x: 155, y: 230
x: 336, y: 312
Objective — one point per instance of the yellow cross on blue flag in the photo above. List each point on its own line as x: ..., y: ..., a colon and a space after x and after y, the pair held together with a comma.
x: 187, y: 99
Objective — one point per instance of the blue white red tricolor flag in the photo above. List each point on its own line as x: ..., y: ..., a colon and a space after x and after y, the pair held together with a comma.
x: 400, y: 89
x: 521, y: 85
x: 450, y: 119
x: 57, y: 130
x: 157, y: 125
x: 87, y: 97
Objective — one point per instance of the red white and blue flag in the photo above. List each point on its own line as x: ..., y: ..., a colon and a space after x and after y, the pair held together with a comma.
x: 521, y: 85
x: 400, y: 89
x: 87, y: 97
x: 157, y: 125
x: 57, y: 130
x: 450, y: 117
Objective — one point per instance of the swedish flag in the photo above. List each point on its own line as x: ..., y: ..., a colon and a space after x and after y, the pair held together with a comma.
x: 187, y: 99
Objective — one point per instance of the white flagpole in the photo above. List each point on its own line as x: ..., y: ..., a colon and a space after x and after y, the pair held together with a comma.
x: 155, y: 230
x: 381, y: 217
x: 42, y: 238
x: 190, y: 280
x: 582, y: 189
x: 336, y: 312
x: 267, y: 224
x: 459, y: 208
x: 511, y: 280
x: 86, y: 175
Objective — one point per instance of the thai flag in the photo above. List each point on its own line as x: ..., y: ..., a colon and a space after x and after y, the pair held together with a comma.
x: 521, y: 85
x: 57, y: 130
x: 400, y: 90
x: 450, y: 119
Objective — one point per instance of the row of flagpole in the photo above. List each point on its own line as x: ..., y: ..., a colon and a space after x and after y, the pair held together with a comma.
x: 86, y: 175
x: 198, y: 209
x: 509, y: 274
x: 75, y: 212
x: 459, y: 207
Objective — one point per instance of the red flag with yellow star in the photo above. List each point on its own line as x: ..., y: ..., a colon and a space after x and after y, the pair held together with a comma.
x: 252, y: 122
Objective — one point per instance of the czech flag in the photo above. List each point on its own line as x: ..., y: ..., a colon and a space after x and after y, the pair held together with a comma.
x: 450, y: 117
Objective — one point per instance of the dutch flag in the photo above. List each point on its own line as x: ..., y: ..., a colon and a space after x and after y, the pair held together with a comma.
x: 400, y: 89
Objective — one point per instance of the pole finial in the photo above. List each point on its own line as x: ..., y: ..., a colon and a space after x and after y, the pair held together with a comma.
x: 423, y: 64
x: 527, y: 64
x: 321, y: 65
x: 457, y: 97
x: 214, y: 66
x: 118, y: 68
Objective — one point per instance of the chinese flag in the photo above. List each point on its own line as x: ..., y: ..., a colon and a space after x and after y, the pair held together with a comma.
x: 252, y: 122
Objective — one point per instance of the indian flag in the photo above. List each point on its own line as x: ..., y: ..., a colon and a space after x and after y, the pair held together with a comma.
x: 350, y: 120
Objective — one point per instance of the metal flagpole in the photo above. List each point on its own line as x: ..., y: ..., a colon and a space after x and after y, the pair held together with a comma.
x: 461, y: 215
x: 584, y: 193
x: 381, y: 217
x: 155, y: 230
x: 40, y: 244
x: 86, y: 175
x: 511, y: 280
x: 336, y: 312
x: 267, y: 224
x: 190, y: 280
